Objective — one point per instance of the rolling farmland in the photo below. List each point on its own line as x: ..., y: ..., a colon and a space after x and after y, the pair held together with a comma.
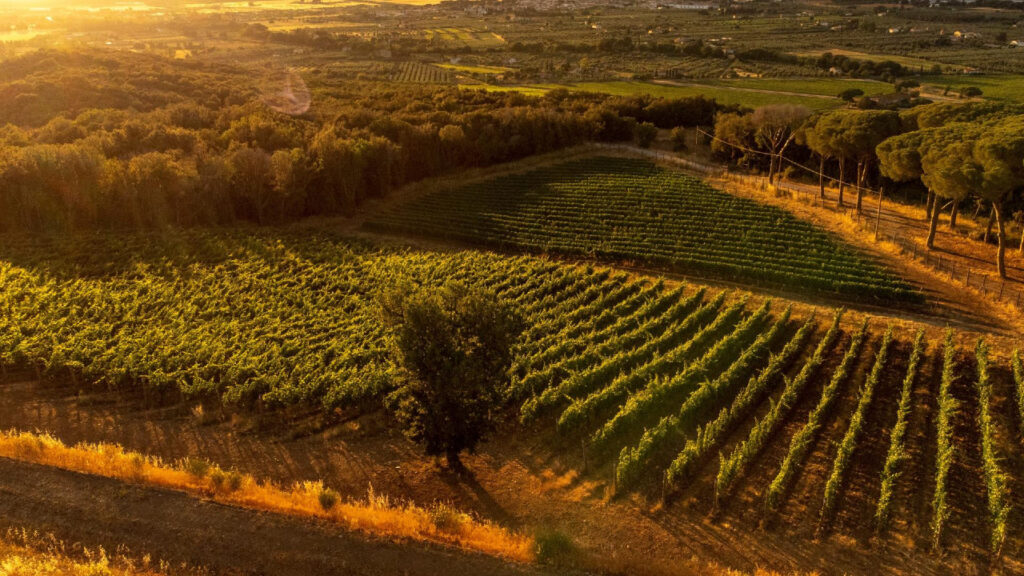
x: 630, y: 210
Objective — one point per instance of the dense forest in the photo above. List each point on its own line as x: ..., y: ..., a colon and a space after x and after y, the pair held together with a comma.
x: 129, y: 140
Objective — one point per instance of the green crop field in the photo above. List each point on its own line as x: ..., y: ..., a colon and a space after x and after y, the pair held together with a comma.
x: 624, y: 209
x: 1008, y: 87
x: 419, y: 73
x: 905, y: 61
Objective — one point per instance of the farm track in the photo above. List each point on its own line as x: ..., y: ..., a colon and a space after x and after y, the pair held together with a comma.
x: 178, y: 528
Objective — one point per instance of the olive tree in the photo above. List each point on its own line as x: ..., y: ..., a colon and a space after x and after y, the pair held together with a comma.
x: 455, y: 347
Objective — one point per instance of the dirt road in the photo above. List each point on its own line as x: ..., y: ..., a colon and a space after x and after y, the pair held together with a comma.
x: 178, y: 528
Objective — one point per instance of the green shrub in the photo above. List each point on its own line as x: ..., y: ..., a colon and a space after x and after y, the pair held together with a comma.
x: 446, y: 518
x: 553, y: 545
x: 197, y: 467
x: 328, y: 498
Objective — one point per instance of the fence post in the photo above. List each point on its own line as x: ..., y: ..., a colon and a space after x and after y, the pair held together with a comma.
x: 984, y: 281
x: 583, y: 448
x: 1001, y: 286
x: 878, y: 213
x: 967, y: 281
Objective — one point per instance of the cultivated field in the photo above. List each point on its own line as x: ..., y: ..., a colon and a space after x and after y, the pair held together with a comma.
x: 630, y: 210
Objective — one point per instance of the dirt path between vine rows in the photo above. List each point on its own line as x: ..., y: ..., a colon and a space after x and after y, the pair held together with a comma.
x: 178, y: 528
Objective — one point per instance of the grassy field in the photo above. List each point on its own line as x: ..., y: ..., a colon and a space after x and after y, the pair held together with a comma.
x: 623, y: 209
x: 905, y: 61
x: 1009, y: 87
x: 819, y: 86
x: 475, y: 39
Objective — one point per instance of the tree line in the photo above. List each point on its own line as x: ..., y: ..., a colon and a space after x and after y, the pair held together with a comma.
x: 161, y: 143
x: 952, y: 152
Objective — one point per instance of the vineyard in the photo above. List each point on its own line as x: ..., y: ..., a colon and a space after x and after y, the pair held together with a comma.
x: 630, y: 210
x: 419, y: 73
x: 741, y: 406
x: 191, y: 314
x: 814, y: 424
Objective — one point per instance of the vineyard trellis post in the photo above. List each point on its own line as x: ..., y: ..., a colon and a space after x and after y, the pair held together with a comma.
x: 878, y: 213
x: 615, y: 481
x: 583, y: 449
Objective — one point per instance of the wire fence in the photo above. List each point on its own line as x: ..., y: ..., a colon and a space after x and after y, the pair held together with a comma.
x: 867, y: 220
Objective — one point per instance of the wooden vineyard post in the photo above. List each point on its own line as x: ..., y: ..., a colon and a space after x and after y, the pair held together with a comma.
x: 583, y: 449
x: 1001, y: 286
x: 967, y: 280
x: 878, y: 212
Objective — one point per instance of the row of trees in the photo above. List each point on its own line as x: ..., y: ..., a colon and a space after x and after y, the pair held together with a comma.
x: 953, y: 150
x: 960, y: 159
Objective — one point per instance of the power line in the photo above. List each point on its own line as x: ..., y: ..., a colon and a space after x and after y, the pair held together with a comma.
x: 792, y: 162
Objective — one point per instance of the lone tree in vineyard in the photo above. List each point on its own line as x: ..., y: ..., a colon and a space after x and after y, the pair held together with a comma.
x: 455, y: 347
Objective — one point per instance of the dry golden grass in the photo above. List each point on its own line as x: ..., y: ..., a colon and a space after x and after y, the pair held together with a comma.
x: 24, y: 553
x: 377, y: 515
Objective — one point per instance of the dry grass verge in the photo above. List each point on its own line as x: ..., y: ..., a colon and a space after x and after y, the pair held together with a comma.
x: 377, y: 514
x: 26, y: 553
